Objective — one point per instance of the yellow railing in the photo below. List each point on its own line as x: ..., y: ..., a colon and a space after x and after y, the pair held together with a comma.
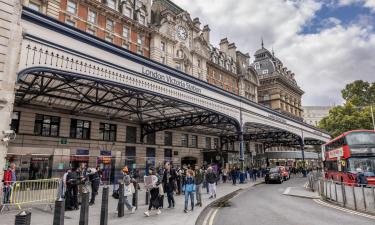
x: 29, y: 192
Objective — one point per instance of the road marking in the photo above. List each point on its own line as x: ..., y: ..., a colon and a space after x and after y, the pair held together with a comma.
x: 207, y: 217
x: 287, y: 191
x: 213, y: 216
x: 344, y: 209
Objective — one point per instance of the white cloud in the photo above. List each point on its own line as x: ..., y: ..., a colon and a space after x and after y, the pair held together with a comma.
x: 323, y: 62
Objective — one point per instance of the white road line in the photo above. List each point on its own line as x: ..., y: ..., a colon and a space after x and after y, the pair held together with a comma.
x: 207, y: 217
x: 287, y: 191
x: 213, y: 216
x: 344, y: 209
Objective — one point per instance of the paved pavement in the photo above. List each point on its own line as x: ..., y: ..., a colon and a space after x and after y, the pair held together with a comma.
x: 174, y: 216
x: 265, y: 204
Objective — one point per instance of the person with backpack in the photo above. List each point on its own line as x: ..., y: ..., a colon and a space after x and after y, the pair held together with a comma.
x: 128, y: 189
x: 72, y: 181
x: 189, y: 188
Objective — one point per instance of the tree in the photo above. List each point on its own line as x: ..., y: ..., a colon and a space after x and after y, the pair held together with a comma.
x: 355, y: 113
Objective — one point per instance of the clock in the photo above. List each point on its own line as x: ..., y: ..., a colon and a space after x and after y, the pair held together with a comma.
x: 182, y: 33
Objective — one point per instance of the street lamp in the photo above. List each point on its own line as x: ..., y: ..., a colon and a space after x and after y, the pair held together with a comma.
x: 372, y: 114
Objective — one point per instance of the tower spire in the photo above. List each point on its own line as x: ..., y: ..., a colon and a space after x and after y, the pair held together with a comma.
x: 262, y: 42
x: 273, y: 52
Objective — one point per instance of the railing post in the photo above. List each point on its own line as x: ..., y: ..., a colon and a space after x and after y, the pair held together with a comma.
x: 364, y: 197
x: 120, y: 206
x: 337, y: 201
x: 330, y: 191
x: 58, y: 216
x: 104, y: 207
x: 343, y: 192
x: 355, y: 200
x: 84, y: 214
x: 373, y: 194
x: 135, y: 195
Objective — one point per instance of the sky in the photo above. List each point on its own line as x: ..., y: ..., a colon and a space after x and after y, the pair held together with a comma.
x: 326, y: 43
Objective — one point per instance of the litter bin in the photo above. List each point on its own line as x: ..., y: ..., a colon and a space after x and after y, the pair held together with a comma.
x: 23, y: 218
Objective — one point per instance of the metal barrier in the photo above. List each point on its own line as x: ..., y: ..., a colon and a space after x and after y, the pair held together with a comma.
x: 352, y: 196
x: 31, y: 192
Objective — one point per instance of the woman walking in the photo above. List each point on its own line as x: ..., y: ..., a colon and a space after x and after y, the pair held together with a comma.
x: 189, y: 189
x: 154, y: 192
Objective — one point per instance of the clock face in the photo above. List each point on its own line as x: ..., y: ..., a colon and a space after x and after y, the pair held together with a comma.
x: 182, y: 33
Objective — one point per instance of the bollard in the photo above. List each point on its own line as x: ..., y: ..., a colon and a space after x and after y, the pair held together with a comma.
x: 147, y: 197
x: 58, y: 215
x: 135, y: 195
x: 84, y: 214
x: 104, y: 207
x: 23, y: 218
x: 120, y: 206
x: 355, y: 200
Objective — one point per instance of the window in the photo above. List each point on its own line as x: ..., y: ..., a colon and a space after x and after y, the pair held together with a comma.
x: 15, y: 121
x: 179, y: 53
x: 125, y: 32
x: 109, y: 25
x: 178, y: 66
x: 257, y: 66
x: 131, y: 134
x: 125, y: 45
x: 142, y: 20
x: 140, y: 39
x: 72, y: 7
x: 194, y: 141
x: 92, y: 16
x: 265, y: 72
x: 80, y: 129
x: 266, y: 97
x: 184, y: 140
x: 130, y: 155
x: 150, y: 156
x: 71, y: 23
x: 139, y: 50
x: 151, y: 139
x: 91, y: 31
x: 109, y: 39
x: 107, y: 132
x: 168, y: 138
x: 34, y: 6
x: 199, y: 63
x: 216, y: 143
x: 208, y: 142
x: 167, y: 155
x: 162, y: 59
x: 162, y: 46
x: 127, y: 12
x: 111, y: 4
x: 47, y: 125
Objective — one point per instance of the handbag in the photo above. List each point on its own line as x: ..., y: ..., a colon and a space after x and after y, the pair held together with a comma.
x: 129, y: 190
x: 161, y: 190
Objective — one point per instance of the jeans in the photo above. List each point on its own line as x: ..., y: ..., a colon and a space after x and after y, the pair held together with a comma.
x: 212, y: 188
x: 127, y: 203
x: 7, y: 192
x: 170, y: 198
x: 187, y: 194
x: 199, y: 193
x: 234, y: 180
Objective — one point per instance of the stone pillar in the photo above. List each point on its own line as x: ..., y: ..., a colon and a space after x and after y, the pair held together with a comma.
x: 10, y: 41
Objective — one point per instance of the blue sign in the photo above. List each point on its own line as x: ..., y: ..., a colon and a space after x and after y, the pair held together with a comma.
x: 82, y: 152
x: 105, y: 153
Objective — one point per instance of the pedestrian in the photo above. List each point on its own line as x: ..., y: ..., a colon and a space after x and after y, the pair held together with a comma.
x: 94, y: 178
x: 64, y: 184
x: 211, y: 180
x: 154, y: 202
x: 178, y: 181
x: 169, y: 178
x: 9, y: 180
x: 199, y: 176
x: 225, y: 175
x: 72, y: 180
x: 361, y: 178
x: 233, y: 174
x: 129, y: 189
x: 254, y: 174
x: 189, y: 189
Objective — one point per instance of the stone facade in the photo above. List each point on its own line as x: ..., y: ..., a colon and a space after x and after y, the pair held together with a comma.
x: 278, y: 88
x: 177, y: 40
x: 314, y: 114
x: 123, y: 23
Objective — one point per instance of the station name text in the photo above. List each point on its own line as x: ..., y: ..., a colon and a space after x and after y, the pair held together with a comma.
x: 170, y: 80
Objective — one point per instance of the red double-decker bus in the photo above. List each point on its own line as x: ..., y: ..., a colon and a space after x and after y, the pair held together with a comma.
x: 348, y: 154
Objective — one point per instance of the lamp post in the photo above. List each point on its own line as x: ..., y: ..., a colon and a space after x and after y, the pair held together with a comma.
x: 372, y: 116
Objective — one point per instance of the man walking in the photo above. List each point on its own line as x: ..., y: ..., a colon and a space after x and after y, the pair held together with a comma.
x: 211, y: 181
x: 94, y: 179
x: 169, y: 177
x: 199, y: 176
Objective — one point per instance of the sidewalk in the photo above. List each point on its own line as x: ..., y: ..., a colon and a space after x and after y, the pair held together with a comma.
x: 167, y: 217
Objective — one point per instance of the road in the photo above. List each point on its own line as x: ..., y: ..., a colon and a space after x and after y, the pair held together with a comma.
x: 266, y: 205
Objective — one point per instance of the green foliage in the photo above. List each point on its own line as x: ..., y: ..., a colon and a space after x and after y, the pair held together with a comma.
x: 355, y: 113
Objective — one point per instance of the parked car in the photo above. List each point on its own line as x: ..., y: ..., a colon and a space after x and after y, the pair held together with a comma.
x: 274, y: 175
x: 284, y: 172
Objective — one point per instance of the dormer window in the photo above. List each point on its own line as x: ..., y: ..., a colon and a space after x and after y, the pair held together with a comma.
x: 111, y: 4
x: 127, y: 12
x: 142, y: 20
x: 264, y: 71
x: 257, y: 66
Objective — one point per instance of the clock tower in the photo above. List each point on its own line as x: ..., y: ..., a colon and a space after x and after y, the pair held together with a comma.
x: 179, y: 41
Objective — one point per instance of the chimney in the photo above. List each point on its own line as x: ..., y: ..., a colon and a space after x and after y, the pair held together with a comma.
x: 206, y: 33
x: 224, y: 45
x: 232, y: 50
x: 196, y: 22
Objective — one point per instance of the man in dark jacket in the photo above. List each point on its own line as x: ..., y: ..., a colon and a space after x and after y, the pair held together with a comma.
x: 94, y: 179
x: 169, y: 178
x: 72, y: 180
x: 211, y: 180
x: 199, y: 176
